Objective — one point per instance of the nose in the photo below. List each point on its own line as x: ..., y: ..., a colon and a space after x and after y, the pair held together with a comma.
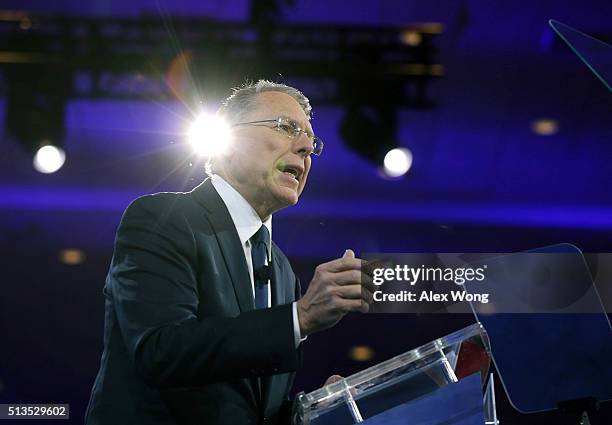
x: 303, y: 145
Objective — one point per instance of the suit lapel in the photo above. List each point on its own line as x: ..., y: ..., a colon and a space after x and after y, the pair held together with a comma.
x: 278, y: 290
x: 229, y: 242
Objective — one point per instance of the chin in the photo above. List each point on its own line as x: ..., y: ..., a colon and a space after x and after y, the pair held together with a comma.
x: 287, y: 198
x: 289, y: 202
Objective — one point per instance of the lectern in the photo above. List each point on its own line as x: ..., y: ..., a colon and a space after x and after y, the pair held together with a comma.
x: 439, y: 382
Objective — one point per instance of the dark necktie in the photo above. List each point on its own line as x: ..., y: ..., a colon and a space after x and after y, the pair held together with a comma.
x: 261, y: 275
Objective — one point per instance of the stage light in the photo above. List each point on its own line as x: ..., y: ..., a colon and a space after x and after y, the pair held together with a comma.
x: 397, y: 162
x: 545, y: 127
x: 411, y: 38
x: 72, y: 257
x: 25, y: 23
x: 361, y: 353
x: 209, y: 135
x: 370, y: 131
x: 49, y: 159
x: 35, y: 106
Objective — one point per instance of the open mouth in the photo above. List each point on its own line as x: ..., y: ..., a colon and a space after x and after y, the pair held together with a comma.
x: 292, y: 170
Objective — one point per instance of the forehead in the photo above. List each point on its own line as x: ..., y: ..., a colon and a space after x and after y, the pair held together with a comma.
x: 273, y: 104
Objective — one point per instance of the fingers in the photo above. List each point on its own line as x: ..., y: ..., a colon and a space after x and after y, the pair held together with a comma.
x: 342, y: 264
x: 354, y: 292
x: 337, y: 287
x: 349, y: 291
x: 352, y: 277
x: 347, y: 262
x: 332, y: 379
x: 348, y: 277
x: 348, y: 306
x: 348, y: 254
x: 352, y: 280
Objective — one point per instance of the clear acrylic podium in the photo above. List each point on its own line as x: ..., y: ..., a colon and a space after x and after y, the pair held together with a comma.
x: 441, y: 381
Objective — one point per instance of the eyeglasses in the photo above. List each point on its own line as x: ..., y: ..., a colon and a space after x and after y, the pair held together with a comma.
x: 291, y: 129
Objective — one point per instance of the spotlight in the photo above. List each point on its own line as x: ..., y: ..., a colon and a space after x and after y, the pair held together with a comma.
x: 411, y: 38
x: 361, y: 353
x: 209, y: 135
x: 370, y: 131
x: 72, y: 257
x: 545, y: 127
x: 49, y: 159
x: 397, y: 162
x: 35, y: 103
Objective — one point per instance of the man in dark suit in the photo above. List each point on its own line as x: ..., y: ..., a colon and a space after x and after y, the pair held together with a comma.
x: 204, y: 320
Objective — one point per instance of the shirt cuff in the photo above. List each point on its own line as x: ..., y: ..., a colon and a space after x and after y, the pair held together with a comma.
x: 296, y: 327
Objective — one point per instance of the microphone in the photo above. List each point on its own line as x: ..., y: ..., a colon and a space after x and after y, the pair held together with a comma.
x: 262, y: 275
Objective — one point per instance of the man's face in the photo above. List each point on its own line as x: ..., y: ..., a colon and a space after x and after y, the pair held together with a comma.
x: 264, y: 165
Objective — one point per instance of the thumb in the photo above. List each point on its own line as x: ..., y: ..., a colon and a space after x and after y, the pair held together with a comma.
x: 348, y: 254
x: 332, y: 379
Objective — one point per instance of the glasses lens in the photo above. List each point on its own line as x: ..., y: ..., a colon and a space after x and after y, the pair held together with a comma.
x: 287, y: 127
x: 292, y: 130
x: 317, y: 146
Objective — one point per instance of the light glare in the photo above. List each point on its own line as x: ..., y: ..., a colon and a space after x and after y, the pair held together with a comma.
x: 397, y: 162
x: 361, y: 353
x: 545, y: 127
x: 49, y: 159
x: 72, y: 256
x: 209, y: 135
x: 411, y: 38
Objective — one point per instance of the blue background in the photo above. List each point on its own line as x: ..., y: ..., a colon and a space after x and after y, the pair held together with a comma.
x: 481, y: 181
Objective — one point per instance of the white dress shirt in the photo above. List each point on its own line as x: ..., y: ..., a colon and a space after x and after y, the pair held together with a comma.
x: 247, y: 223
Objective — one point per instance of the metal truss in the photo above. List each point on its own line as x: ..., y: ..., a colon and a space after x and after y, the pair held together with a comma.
x: 149, y: 56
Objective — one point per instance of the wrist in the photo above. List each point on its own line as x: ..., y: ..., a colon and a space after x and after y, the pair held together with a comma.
x: 302, y: 320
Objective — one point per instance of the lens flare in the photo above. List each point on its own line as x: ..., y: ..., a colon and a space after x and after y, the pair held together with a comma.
x: 209, y: 135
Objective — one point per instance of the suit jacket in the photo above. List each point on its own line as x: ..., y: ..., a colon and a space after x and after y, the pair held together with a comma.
x: 183, y: 343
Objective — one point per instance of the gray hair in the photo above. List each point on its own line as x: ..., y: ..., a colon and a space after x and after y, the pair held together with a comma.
x: 244, y: 100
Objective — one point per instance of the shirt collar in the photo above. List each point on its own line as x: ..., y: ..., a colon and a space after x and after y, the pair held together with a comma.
x: 243, y: 215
